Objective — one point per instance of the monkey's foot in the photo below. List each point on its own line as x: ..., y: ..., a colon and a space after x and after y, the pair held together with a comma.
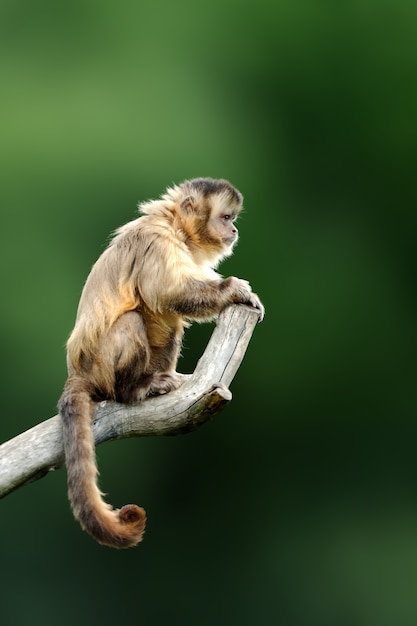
x: 164, y: 383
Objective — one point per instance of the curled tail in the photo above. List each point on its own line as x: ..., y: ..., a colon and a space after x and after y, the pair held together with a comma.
x: 117, y: 528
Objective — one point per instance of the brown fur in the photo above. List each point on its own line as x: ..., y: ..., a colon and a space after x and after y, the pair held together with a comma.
x: 154, y: 278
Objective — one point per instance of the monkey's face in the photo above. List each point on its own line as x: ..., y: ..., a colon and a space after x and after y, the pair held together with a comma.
x: 223, y: 228
x: 221, y: 224
x: 208, y: 219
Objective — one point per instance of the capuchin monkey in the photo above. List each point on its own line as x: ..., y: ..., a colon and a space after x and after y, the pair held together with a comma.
x: 155, y: 277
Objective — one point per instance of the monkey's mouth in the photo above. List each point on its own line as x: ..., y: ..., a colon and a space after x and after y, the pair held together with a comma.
x: 230, y: 241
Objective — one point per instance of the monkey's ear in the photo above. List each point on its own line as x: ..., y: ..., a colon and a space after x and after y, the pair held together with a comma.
x: 189, y: 204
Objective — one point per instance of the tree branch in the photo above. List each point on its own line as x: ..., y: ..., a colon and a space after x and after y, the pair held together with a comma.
x: 204, y: 393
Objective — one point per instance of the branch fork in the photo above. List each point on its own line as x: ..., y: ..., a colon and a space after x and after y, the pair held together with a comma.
x: 203, y: 394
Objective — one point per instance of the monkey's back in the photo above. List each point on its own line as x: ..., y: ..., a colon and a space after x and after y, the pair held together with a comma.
x: 145, y: 263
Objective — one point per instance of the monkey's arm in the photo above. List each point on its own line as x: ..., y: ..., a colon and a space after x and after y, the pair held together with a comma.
x: 170, y: 281
x: 200, y: 299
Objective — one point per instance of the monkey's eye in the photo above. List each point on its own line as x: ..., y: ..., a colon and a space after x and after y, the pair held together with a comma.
x: 227, y: 217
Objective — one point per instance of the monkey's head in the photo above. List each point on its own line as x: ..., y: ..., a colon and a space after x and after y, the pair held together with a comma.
x: 204, y: 211
x: 207, y: 209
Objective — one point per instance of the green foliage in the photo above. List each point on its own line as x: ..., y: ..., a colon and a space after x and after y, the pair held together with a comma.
x: 297, y: 505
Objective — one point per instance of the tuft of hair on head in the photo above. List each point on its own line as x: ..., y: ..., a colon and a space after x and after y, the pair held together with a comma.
x: 209, y: 186
x: 189, y: 192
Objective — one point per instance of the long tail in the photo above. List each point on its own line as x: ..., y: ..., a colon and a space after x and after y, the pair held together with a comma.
x: 117, y: 528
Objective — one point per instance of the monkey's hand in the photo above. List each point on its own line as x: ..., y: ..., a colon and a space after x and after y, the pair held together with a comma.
x: 241, y: 292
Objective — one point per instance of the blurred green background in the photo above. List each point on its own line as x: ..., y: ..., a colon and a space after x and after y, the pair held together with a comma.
x: 298, y: 504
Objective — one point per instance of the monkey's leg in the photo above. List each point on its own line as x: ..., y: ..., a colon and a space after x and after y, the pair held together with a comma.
x: 126, y: 351
x: 163, y: 363
x: 140, y: 370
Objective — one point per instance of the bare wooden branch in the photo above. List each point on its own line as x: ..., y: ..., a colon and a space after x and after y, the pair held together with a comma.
x: 204, y: 393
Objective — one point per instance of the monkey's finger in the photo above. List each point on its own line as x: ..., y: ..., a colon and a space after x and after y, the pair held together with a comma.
x: 256, y: 304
